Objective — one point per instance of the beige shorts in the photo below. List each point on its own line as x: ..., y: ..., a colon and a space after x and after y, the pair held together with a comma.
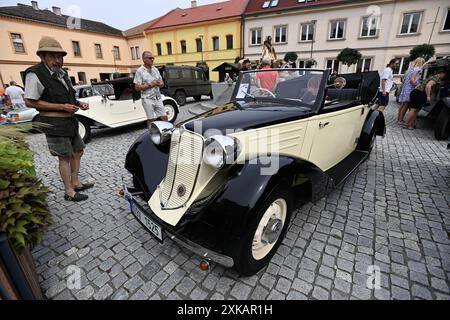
x: 153, y: 108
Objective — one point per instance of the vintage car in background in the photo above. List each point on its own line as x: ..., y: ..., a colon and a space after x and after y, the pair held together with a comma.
x: 115, y: 104
x: 181, y: 82
x: 439, y: 108
x: 223, y: 185
x: 19, y: 115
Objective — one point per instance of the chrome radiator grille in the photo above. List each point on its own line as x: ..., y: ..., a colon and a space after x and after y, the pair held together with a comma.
x: 186, y: 151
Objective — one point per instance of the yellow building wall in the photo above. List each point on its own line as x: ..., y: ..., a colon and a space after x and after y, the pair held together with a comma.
x: 190, y: 33
x: 11, y: 63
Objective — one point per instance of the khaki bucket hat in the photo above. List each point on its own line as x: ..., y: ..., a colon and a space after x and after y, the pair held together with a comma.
x: 49, y: 44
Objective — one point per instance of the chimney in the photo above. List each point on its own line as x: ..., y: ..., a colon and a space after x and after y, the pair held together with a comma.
x: 35, y: 5
x: 57, y: 11
x: 193, y: 4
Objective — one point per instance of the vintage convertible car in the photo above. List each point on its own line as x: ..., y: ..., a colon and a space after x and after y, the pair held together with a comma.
x: 439, y: 108
x: 114, y: 104
x: 223, y: 185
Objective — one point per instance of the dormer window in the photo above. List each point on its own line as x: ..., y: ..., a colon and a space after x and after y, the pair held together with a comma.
x: 270, y: 4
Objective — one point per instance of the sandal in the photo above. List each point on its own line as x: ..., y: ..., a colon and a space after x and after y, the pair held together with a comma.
x: 84, y: 186
x: 78, y: 197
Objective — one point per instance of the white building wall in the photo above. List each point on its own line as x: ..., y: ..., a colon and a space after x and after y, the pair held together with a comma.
x: 386, y: 45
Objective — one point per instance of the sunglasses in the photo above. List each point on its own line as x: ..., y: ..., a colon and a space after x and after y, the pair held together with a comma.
x: 151, y: 58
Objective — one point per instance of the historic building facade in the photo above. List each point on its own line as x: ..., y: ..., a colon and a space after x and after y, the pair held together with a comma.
x: 320, y: 29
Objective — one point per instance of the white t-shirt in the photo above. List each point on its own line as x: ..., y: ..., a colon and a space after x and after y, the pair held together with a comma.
x: 388, y: 75
x: 15, y: 94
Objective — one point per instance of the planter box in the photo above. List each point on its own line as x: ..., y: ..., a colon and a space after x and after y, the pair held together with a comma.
x: 18, y: 278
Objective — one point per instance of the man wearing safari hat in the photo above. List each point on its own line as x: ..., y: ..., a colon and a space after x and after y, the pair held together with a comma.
x: 49, y: 90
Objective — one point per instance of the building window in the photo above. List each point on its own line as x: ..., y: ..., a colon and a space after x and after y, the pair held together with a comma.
x: 169, y: 48
x: 199, y: 44
x: 17, y: 42
x: 337, y: 29
x: 404, y: 65
x: 215, y: 43
x: 81, y: 78
x: 133, y: 54
x: 229, y: 42
x: 158, y: 49
x: 307, y: 32
x: 116, y: 53
x: 183, y: 46
x: 447, y: 21
x: 411, y: 22
x: 369, y: 27
x: 281, y: 34
x: 333, y: 64
x: 255, y: 36
x: 364, y: 65
x: 138, y: 53
x: 98, y: 51
x: 270, y: 4
x: 76, y: 49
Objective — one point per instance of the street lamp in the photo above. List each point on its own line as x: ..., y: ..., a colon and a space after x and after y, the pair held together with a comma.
x: 312, y: 40
x: 201, y: 45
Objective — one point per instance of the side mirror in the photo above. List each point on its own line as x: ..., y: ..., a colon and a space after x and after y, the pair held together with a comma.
x: 340, y: 83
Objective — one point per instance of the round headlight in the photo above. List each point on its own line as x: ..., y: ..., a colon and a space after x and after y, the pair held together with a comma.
x: 221, y: 151
x: 161, y: 132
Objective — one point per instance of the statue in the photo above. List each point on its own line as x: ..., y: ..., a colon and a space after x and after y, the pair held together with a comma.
x: 269, y: 50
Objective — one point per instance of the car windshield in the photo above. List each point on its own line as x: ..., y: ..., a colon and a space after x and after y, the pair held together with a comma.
x: 302, y: 87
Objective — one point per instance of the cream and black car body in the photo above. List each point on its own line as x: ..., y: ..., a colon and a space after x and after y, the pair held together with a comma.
x: 114, y: 104
x: 223, y: 185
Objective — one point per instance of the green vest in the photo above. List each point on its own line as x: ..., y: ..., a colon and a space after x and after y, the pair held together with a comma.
x: 54, y: 90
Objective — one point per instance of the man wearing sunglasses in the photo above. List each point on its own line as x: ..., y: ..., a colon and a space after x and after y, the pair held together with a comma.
x: 148, y: 80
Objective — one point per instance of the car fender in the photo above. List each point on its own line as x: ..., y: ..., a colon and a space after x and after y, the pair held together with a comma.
x: 233, y: 207
x: 374, y: 121
x: 170, y: 100
x: 147, y: 163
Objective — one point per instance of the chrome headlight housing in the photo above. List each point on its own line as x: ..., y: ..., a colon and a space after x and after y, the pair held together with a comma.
x: 221, y: 151
x: 161, y: 132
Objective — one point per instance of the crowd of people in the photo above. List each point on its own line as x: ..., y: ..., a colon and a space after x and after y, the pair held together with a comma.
x: 11, y: 97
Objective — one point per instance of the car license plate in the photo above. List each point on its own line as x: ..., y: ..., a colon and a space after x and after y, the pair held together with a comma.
x: 154, y: 228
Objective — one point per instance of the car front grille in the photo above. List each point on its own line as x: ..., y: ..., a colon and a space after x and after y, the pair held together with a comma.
x: 186, y: 150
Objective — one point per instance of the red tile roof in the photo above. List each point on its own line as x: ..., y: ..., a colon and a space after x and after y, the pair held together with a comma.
x: 215, y: 11
x: 138, y: 29
x: 256, y: 6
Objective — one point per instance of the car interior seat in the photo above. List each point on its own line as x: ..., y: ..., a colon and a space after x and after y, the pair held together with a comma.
x: 342, y: 94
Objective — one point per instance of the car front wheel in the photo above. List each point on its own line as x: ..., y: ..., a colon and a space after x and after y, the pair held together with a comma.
x: 171, y: 112
x: 84, y: 129
x: 267, y: 231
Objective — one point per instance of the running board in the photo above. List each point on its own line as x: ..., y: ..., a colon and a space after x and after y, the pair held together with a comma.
x: 340, y: 172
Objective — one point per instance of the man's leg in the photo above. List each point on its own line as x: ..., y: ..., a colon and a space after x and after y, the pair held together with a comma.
x: 160, y: 111
x: 75, y: 161
x: 65, y: 173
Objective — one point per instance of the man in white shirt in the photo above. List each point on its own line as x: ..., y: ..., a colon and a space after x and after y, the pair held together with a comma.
x: 15, y: 94
x: 148, y: 81
x: 387, y: 82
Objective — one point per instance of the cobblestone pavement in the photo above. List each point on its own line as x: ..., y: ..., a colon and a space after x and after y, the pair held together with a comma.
x: 393, y: 214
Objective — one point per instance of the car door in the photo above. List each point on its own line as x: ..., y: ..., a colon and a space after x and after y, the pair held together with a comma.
x: 335, y: 135
x: 188, y: 81
x: 203, y: 86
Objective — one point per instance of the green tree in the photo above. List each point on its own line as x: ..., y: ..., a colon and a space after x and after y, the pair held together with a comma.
x: 290, y: 57
x: 425, y: 51
x: 349, y: 56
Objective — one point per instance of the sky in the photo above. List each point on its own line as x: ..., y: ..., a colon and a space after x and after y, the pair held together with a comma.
x: 123, y: 14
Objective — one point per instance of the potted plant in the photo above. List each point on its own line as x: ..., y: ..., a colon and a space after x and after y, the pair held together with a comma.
x: 349, y: 56
x: 310, y: 63
x: 24, y: 216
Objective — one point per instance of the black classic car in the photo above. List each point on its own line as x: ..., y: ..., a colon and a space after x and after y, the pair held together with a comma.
x: 439, y: 108
x: 223, y: 184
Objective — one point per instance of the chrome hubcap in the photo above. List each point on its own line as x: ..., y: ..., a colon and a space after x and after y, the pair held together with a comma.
x: 269, y: 229
x: 170, y: 111
x: 81, y: 130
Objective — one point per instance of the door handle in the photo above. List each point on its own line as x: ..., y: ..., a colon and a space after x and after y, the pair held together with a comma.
x: 323, y: 125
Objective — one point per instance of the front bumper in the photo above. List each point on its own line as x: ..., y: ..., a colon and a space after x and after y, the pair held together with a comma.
x: 182, y: 241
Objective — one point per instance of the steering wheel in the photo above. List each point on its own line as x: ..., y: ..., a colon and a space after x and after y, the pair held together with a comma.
x: 263, y: 90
